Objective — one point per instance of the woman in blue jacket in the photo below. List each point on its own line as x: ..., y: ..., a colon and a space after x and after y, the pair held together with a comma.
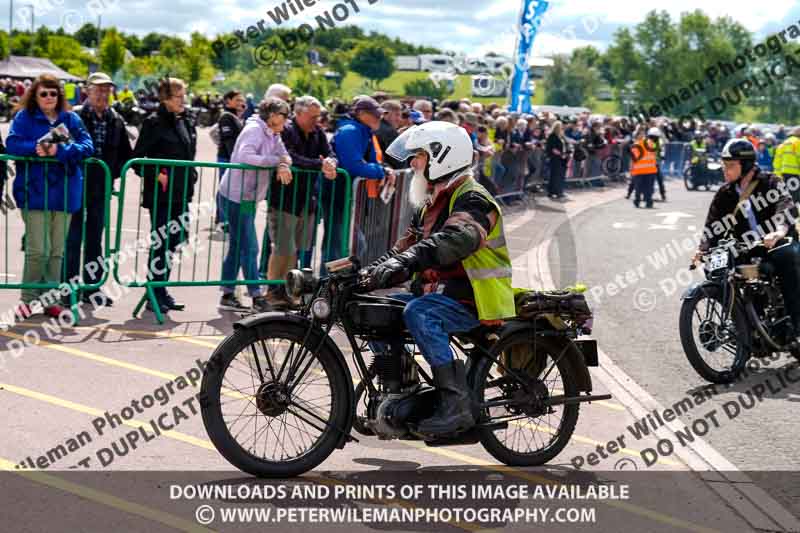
x: 47, y: 193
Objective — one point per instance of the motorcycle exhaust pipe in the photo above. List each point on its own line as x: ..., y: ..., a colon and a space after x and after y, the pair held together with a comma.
x: 565, y: 400
x: 753, y: 317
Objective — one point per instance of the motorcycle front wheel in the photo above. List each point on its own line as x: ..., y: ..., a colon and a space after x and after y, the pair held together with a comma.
x: 535, y: 433
x: 717, y: 349
x: 259, y: 420
x: 687, y: 180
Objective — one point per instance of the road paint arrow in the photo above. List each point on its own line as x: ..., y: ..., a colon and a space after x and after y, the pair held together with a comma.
x: 662, y: 226
x: 624, y: 225
x: 670, y: 219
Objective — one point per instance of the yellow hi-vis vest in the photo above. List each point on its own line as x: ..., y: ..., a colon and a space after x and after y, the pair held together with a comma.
x: 698, y: 149
x: 69, y: 90
x: 787, y: 158
x: 489, y: 268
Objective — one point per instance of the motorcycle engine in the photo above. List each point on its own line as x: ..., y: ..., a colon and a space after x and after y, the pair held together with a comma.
x: 394, y: 412
x: 401, y: 400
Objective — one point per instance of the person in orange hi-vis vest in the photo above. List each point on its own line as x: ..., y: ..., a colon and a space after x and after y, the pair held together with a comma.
x: 645, y: 167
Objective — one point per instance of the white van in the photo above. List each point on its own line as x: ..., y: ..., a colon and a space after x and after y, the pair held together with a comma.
x: 435, y: 62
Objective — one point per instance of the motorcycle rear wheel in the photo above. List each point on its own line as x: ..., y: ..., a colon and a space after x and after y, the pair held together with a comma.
x: 302, y: 426
x: 554, y: 378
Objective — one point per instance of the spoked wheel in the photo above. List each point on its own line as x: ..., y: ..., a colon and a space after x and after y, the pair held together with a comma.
x: 536, y: 433
x: 713, y: 345
x: 263, y: 421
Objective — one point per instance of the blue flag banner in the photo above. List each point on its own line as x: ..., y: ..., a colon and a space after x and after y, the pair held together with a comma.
x: 529, y: 20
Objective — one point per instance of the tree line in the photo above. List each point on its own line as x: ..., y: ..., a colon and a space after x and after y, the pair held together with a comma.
x: 653, y: 60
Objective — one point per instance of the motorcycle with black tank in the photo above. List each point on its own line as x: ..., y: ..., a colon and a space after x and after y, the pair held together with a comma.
x: 737, y: 313
x: 278, y: 395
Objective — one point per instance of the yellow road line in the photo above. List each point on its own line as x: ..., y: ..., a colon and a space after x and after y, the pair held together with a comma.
x: 632, y: 508
x: 587, y: 440
x: 121, y: 504
x: 93, y: 357
x: 659, y: 517
x: 73, y: 406
x: 191, y: 339
x: 145, y: 370
x: 105, y: 498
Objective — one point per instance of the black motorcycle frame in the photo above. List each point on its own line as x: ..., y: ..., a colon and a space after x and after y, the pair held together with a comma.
x: 341, y: 290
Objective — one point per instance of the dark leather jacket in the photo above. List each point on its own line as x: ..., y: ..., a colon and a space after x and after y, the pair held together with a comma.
x: 435, y: 244
x: 771, y: 204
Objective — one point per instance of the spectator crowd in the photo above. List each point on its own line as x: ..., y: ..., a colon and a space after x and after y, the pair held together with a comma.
x: 306, y: 144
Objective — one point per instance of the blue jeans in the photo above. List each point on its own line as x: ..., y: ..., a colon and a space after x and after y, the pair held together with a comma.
x: 333, y: 221
x: 242, y: 248
x: 431, y: 319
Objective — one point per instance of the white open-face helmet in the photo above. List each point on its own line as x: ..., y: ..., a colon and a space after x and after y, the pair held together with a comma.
x: 449, y: 148
x: 654, y: 132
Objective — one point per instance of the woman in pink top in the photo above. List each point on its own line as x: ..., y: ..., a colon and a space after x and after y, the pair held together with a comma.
x: 259, y: 144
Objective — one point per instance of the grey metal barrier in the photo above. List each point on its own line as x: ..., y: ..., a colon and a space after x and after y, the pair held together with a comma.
x: 377, y: 218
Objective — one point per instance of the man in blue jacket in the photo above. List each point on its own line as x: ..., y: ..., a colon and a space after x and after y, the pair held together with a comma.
x: 358, y: 153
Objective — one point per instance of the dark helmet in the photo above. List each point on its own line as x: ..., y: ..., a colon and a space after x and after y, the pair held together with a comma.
x: 740, y: 150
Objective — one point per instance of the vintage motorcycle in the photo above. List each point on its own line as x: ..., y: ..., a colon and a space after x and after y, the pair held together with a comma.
x: 278, y: 395
x: 737, y: 313
x: 707, y: 172
x: 132, y: 113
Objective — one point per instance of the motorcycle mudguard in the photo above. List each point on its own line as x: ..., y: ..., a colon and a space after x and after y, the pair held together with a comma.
x: 265, y: 319
x: 696, y: 289
x: 553, y: 345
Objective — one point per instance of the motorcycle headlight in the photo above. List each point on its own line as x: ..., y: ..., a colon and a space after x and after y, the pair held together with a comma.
x: 294, y: 283
x: 321, y: 309
x: 300, y: 282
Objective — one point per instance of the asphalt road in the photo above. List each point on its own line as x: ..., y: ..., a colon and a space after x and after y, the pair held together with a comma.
x: 64, y: 384
x: 635, y: 262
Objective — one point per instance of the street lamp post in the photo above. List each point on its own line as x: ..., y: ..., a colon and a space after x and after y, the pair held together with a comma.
x: 30, y: 6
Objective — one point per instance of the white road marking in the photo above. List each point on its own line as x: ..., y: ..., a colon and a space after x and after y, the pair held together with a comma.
x: 624, y: 225
x: 728, y: 481
x: 670, y: 219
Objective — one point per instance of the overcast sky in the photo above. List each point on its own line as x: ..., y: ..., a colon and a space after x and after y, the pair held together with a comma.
x: 472, y: 27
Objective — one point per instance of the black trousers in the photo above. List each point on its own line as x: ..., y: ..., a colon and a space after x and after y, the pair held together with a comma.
x: 660, y: 179
x: 164, y: 244
x: 93, y: 269
x: 786, y: 263
x: 644, y: 188
x: 558, y: 169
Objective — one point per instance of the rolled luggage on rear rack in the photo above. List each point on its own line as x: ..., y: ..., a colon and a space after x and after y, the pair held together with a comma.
x: 565, y: 309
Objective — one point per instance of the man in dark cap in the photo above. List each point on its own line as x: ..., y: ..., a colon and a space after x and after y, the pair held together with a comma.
x: 360, y: 154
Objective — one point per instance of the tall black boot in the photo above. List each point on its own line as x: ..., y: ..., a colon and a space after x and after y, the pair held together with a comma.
x: 453, y: 413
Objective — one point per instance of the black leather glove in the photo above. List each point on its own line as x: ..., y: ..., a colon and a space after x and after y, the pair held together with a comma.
x: 387, y: 274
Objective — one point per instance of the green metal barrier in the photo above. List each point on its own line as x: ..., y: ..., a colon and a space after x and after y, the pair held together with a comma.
x: 203, y: 271
x: 64, y: 285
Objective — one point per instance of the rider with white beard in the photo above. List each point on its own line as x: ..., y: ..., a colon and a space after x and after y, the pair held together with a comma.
x: 455, y: 249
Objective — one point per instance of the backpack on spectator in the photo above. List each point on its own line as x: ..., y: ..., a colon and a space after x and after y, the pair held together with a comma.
x: 213, y: 131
